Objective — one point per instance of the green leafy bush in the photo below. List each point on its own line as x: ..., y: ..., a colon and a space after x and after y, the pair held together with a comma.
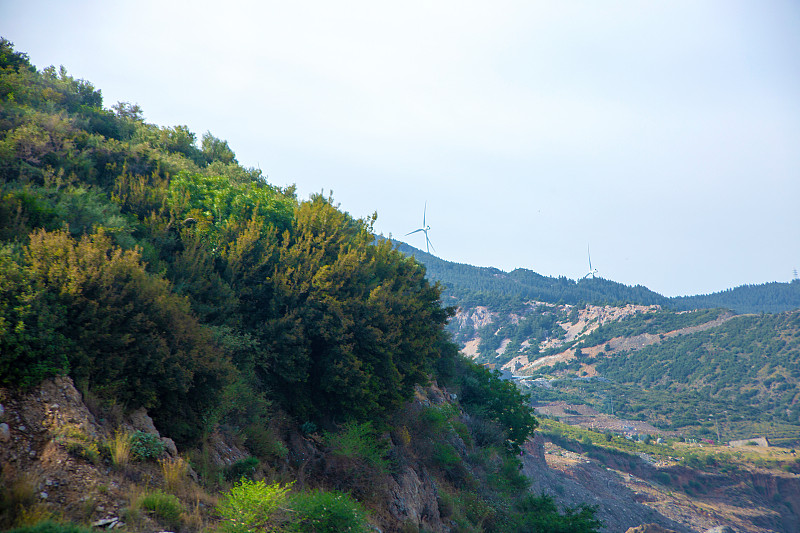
x: 361, y: 443
x: 261, y: 441
x: 486, y: 394
x: 254, y: 506
x: 539, y: 513
x: 327, y: 512
x: 244, y: 468
x: 78, y: 443
x: 165, y: 507
x: 146, y: 446
x: 445, y: 456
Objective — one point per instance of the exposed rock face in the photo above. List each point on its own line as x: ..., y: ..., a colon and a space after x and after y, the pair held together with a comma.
x: 139, y: 420
x: 224, y: 453
x: 49, y: 427
x: 584, y: 482
x: 413, y: 500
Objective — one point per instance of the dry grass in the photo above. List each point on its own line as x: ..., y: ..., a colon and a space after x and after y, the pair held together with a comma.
x: 194, y: 519
x: 132, y: 514
x: 18, y: 504
x: 120, y: 448
x: 174, y: 472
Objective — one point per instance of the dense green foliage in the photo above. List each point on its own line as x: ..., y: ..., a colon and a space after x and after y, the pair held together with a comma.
x: 159, y: 274
x: 748, y: 367
x: 256, y: 506
x: 735, y: 380
x: 765, y: 298
x: 500, y: 401
x: 539, y: 513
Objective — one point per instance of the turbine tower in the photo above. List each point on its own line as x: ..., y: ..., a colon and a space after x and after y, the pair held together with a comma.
x: 424, y: 229
x: 592, y: 272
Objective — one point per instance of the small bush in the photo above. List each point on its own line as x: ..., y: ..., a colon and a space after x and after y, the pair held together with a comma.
x: 508, y: 478
x: 402, y: 436
x: 327, y: 512
x: 261, y: 442
x: 446, y: 504
x: 486, y: 432
x: 253, y: 506
x: 165, y: 507
x: 445, y: 456
x: 78, y: 443
x: 244, y: 468
x: 462, y: 431
x: 146, y: 446
x: 437, y: 419
x: 308, y: 428
x: 360, y: 442
x: 662, y: 477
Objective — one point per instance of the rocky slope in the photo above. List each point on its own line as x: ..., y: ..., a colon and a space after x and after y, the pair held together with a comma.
x: 51, y: 460
x: 631, y: 493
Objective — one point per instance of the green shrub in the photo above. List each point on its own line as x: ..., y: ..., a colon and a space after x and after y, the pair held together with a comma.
x: 539, y: 513
x: 508, y: 478
x: 253, y: 506
x: 445, y: 456
x: 438, y: 419
x: 361, y: 443
x: 260, y: 441
x: 146, y: 446
x: 77, y: 443
x: 166, y: 508
x: 462, y: 431
x: 662, y: 477
x: 244, y: 468
x: 327, y: 512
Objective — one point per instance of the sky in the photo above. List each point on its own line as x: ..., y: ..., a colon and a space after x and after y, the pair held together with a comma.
x: 663, y: 137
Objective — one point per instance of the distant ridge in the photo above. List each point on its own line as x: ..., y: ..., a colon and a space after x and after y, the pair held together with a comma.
x: 468, y: 285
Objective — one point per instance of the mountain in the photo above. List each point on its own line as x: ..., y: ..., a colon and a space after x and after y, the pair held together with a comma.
x: 685, y: 365
x: 639, y: 395
x: 468, y: 285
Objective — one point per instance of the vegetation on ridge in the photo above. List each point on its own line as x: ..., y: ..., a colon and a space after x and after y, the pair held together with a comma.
x: 157, y: 272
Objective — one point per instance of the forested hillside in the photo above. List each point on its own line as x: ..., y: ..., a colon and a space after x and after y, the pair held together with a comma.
x: 467, y: 286
x: 156, y: 273
x: 682, y: 364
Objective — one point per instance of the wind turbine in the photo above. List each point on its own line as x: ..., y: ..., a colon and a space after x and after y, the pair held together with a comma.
x: 591, y: 272
x: 424, y: 229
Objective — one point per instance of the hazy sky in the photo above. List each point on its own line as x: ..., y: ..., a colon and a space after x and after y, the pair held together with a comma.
x: 664, y: 135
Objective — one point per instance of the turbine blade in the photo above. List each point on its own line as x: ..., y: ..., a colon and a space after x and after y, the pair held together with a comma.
x: 424, y: 212
x: 428, y: 242
x: 415, y: 231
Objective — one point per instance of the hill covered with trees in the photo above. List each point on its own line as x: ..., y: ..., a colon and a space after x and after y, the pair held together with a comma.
x: 467, y: 286
x: 155, y: 272
x: 687, y: 364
